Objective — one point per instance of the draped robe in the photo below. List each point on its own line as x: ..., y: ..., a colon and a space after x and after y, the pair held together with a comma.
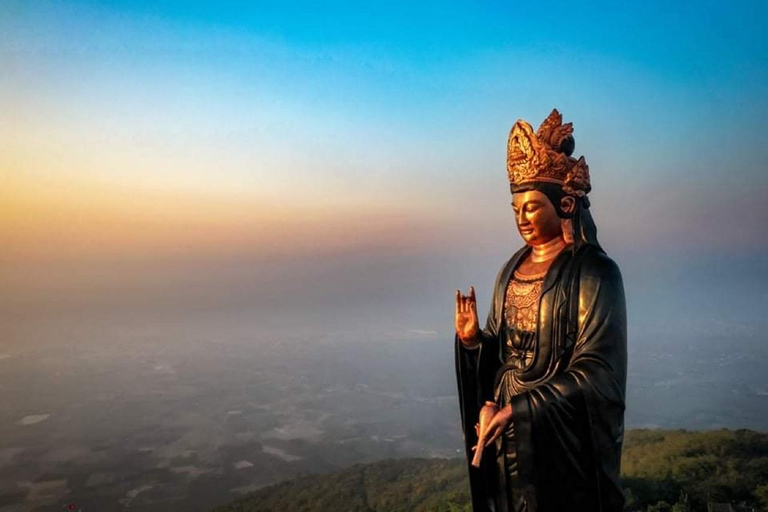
x: 567, y: 405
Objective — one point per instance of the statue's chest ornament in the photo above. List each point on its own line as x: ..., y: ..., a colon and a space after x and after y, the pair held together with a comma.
x: 522, y: 301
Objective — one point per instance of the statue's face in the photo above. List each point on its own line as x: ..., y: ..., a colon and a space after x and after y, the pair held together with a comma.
x: 536, y: 217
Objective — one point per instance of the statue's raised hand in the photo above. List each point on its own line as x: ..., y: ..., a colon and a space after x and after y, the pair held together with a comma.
x: 465, y: 320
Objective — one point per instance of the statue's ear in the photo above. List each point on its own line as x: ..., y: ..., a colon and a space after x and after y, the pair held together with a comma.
x: 568, y: 205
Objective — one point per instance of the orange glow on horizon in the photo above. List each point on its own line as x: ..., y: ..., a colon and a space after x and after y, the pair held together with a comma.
x: 84, y: 220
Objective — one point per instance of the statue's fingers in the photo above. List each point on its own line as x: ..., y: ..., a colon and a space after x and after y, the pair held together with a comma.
x: 473, y: 304
x: 458, y: 302
x: 462, y: 303
x: 494, y: 436
x: 491, y: 431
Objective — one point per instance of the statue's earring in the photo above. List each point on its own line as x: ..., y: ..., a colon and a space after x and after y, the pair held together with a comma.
x: 567, y: 226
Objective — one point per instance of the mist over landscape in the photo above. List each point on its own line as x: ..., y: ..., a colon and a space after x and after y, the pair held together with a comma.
x: 188, y: 398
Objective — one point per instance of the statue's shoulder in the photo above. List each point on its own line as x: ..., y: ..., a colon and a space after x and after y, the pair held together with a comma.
x: 598, y: 267
x: 594, y: 263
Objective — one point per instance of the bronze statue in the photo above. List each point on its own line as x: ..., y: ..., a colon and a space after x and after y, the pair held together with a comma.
x: 541, y: 387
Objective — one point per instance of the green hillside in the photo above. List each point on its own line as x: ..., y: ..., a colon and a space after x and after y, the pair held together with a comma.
x: 663, y: 470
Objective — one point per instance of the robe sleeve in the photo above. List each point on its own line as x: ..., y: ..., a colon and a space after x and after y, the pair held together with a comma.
x: 475, y: 371
x: 569, y: 429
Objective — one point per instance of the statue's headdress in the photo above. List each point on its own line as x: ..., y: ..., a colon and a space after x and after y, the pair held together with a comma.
x: 545, y: 157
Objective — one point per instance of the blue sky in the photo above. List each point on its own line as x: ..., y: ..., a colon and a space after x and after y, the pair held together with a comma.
x: 375, y: 133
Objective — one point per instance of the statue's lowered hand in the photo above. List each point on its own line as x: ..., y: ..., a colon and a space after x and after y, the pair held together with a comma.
x: 493, y: 422
x: 487, y: 413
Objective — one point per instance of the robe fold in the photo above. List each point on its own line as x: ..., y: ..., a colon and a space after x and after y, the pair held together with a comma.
x: 567, y: 404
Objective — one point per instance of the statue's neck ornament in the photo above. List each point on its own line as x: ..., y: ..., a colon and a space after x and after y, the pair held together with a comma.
x: 547, y: 251
x: 545, y: 157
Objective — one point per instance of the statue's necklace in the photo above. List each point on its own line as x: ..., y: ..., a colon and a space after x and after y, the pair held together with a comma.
x: 547, y: 251
x: 524, y: 290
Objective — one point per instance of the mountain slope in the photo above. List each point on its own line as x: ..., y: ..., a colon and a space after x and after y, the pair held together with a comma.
x: 658, y: 467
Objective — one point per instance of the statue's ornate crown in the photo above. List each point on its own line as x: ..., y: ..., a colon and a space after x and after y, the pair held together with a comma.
x: 545, y: 156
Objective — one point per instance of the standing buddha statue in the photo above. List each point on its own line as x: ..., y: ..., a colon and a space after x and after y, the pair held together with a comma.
x: 542, y: 385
